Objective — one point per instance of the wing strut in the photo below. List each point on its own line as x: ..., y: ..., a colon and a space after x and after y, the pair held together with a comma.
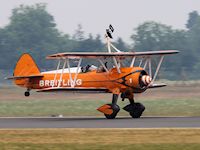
x: 73, y: 82
x: 141, y: 62
x: 69, y: 70
x: 101, y: 62
x: 132, y: 62
x: 58, y: 67
x: 116, y: 65
x: 158, y: 67
x: 62, y: 73
x: 145, y: 64
x: 150, y: 69
x: 114, y: 47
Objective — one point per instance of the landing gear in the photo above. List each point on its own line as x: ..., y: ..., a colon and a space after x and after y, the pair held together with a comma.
x: 115, y: 110
x: 110, y: 110
x: 135, y: 109
x: 27, y: 93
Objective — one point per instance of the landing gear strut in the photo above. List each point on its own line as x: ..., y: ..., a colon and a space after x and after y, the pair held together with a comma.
x: 135, y: 109
x: 27, y: 93
x: 115, y: 108
x: 110, y: 110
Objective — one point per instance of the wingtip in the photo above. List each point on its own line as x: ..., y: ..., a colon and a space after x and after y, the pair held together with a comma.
x: 8, y: 78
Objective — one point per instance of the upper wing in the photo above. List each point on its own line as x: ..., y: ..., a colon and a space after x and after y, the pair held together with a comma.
x: 77, y: 55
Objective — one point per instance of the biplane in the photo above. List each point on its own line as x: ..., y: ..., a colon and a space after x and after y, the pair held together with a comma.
x: 120, y: 73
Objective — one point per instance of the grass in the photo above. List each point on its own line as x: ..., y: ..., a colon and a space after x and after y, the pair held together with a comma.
x: 88, y: 108
x: 169, y: 101
x: 17, y: 146
x: 153, y: 139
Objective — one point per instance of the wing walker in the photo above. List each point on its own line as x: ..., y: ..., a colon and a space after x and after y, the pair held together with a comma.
x: 128, y: 73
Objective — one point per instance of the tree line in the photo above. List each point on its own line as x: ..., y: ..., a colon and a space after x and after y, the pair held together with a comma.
x: 33, y: 30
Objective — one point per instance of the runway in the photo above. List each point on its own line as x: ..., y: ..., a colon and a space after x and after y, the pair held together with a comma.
x: 93, y: 122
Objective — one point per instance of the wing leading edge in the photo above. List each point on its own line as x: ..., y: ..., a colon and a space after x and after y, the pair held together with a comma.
x: 77, y: 55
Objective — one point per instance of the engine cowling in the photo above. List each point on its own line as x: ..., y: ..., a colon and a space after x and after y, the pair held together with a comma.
x: 139, y: 80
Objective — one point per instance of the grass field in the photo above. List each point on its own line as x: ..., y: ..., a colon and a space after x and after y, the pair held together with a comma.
x: 109, y: 139
x: 173, y: 100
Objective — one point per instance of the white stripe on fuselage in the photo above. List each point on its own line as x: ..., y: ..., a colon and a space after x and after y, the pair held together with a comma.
x: 66, y: 70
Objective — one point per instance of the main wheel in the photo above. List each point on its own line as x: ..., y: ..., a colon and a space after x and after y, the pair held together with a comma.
x: 137, y: 111
x: 27, y: 94
x: 115, y: 109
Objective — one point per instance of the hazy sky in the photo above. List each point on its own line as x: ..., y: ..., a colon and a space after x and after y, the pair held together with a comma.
x: 96, y: 15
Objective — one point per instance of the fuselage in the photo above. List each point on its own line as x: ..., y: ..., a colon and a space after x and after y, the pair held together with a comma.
x: 129, y: 78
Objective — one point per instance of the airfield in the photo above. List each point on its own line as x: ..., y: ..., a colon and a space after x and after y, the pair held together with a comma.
x: 176, y: 100
x: 174, y: 106
x: 71, y: 121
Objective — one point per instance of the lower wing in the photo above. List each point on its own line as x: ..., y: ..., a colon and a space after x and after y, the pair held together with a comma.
x: 23, y: 77
x: 157, y: 85
x: 75, y: 89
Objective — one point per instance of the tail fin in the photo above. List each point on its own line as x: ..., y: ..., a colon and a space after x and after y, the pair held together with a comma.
x: 26, y: 66
x: 25, y: 70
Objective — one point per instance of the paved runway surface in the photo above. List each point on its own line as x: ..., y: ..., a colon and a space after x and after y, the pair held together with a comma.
x: 92, y: 122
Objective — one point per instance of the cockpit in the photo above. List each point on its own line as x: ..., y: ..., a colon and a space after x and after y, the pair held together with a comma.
x: 92, y: 67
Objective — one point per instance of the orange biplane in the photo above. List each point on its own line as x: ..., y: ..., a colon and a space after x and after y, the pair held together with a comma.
x: 128, y: 73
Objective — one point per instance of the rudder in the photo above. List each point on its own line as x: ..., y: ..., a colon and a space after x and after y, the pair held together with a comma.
x: 26, y: 66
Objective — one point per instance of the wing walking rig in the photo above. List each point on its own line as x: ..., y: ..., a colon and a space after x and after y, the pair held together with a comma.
x: 129, y: 73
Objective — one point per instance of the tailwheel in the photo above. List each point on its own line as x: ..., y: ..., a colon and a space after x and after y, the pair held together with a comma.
x: 114, y: 109
x: 135, y: 109
x: 27, y: 93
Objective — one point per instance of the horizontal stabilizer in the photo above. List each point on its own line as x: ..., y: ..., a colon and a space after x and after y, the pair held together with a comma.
x: 22, y: 77
x: 157, y: 85
x: 75, y: 89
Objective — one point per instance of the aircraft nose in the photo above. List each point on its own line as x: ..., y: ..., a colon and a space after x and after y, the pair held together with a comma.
x: 146, y: 79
